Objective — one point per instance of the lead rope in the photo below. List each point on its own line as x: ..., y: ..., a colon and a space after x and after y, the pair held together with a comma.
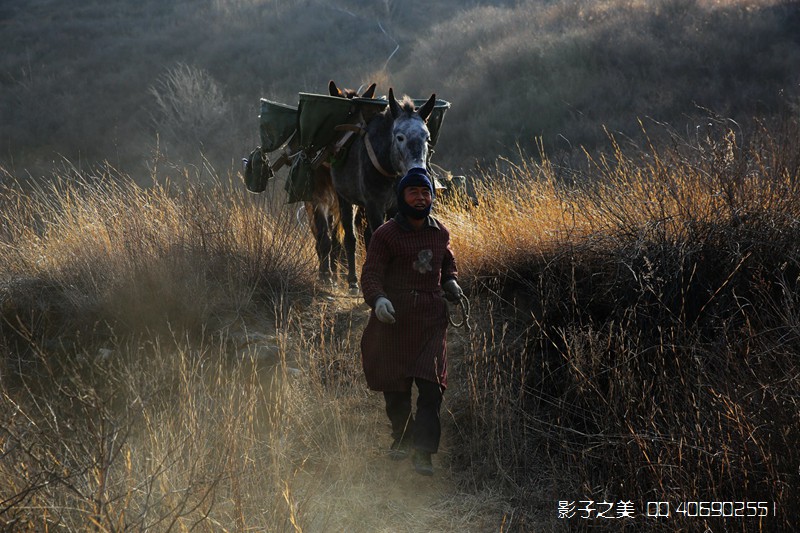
x: 463, y: 303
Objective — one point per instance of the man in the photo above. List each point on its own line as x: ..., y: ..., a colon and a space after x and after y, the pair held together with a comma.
x: 408, y: 263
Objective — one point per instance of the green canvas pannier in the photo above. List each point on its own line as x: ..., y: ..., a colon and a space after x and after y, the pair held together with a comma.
x: 313, y: 122
x: 299, y: 184
x: 320, y: 114
x: 277, y: 122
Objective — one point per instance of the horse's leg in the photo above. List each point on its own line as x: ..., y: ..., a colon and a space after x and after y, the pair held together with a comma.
x: 367, y: 236
x: 346, y: 217
x: 337, y: 234
x: 337, y: 248
x: 318, y: 217
x: 323, y: 246
x: 362, y: 225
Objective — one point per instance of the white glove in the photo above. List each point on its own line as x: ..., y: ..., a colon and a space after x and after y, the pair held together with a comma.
x: 384, y: 310
x: 452, y: 291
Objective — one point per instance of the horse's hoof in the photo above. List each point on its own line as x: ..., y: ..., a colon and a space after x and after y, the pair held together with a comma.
x: 354, y: 289
x: 328, y: 278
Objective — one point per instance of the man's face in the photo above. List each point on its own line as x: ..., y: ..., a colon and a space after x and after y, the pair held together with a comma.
x: 417, y: 197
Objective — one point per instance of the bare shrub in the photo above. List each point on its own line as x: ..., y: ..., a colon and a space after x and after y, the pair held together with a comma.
x: 99, y: 252
x: 644, y: 351
x: 191, y: 112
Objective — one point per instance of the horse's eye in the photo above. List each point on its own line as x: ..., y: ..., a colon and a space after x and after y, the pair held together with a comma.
x: 401, y: 138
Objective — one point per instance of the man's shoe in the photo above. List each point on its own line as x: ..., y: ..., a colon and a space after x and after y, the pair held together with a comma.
x: 399, y: 449
x: 422, y: 463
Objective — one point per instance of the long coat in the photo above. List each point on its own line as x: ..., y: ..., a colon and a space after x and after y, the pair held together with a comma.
x: 408, y: 267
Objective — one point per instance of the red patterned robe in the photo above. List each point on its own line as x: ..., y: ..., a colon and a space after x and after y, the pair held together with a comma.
x: 408, y: 267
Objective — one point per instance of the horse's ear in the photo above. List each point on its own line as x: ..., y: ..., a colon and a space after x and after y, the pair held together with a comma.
x: 333, y: 90
x: 394, y: 105
x: 425, y: 111
x: 370, y: 92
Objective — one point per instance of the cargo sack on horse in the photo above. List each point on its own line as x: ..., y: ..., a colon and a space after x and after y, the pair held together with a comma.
x: 257, y: 171
x: 326, y: 127
x: 277, y: 124
x: 315, y: 142
x: 321, y: 141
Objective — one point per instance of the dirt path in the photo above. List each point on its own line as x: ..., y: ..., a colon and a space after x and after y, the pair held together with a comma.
x: 355, y: 486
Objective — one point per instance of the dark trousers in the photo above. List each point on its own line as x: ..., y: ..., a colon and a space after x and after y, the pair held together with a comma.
x: 425, y: 428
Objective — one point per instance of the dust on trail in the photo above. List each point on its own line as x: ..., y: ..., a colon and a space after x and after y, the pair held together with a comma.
x: 353, y: 485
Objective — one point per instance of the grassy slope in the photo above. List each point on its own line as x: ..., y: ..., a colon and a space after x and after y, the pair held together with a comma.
x: 641, y: 333
x: 636, y: 319
x: 636, y: 338
x: 166, y: 361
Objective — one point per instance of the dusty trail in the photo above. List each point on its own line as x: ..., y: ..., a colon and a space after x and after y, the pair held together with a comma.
x: 354, y: 486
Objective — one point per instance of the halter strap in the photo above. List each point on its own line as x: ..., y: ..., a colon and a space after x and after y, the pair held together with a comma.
x: 370, y: 150
x: 374, y: 159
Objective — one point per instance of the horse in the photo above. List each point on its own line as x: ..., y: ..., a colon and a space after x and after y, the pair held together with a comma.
x: 391, y: 143
x: 322, y: 209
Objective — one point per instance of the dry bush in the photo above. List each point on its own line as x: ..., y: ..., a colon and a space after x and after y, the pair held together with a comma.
x: 191, y: 112
x: 647, y: 350
x: 97, y: 254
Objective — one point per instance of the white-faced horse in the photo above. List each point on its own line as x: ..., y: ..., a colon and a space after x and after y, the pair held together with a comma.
x: 391, y: 143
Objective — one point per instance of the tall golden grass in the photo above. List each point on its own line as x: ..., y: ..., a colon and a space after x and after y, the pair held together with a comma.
x: 165, y: 367
x: 169, y: 365
x: 98, y: 251
x: 117, y: 363
x: 637, y: 332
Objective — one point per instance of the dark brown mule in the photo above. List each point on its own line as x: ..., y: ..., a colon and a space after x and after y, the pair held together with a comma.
x: 323, y: 207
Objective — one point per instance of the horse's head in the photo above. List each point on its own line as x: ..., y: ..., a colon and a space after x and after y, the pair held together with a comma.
x: 410, y: 136
x: 333, y: 90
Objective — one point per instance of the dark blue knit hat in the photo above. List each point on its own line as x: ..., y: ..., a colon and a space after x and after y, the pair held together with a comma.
x: 415, y: 177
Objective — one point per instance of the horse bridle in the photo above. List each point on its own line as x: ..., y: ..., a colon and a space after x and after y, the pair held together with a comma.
x: 362, y: 131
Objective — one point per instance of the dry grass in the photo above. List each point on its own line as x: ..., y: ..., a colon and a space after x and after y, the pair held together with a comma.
x: 636, y: 330
x: 167, y: 364
x: 558, y: 72
x: 164, y: 368
x: 119, y: 303
x: 98, y: 251
x: 514, y: 70
x: 273, y: 433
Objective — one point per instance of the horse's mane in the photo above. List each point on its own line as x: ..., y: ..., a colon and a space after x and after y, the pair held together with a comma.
x: 407, y: 104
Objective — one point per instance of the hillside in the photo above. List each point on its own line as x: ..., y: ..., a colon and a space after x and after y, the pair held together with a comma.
x: 171, y: 361
x: 79, y: 79
x: 168, y: 360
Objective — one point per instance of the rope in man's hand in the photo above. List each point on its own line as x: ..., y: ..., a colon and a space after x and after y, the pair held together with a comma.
x: 463, y: 303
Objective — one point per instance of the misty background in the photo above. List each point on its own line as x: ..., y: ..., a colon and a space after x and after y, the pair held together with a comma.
x: 131, y: 83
